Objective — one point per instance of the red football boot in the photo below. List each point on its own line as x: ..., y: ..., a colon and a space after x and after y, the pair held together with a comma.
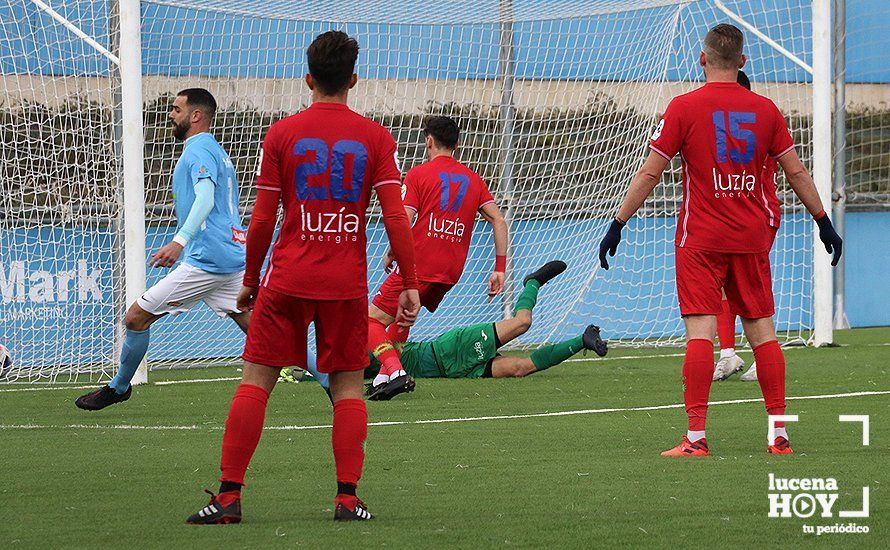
x: 782, y: 447
x: 687, y: 448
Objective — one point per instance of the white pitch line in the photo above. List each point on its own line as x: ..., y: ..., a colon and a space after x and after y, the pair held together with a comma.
x: 160, y: 383
x: 48, y: 388
x: 623, y: 358
x: 664, y: 355
x: 439, y: 420
x: 192, y: 381
x: 575, y: 360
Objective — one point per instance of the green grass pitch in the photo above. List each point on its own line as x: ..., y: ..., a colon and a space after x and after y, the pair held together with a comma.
x: 129, y: 475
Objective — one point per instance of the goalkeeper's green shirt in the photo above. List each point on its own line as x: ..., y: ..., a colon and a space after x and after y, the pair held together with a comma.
x: 459, y: 353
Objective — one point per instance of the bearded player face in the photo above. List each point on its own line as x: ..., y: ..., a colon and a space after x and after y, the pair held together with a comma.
x: 180, y: 117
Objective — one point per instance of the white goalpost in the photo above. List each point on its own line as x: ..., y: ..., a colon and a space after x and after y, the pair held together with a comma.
x: 555, y: 101
x: 132, y: 145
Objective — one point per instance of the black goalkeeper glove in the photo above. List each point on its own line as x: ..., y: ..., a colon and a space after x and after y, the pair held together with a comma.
x: 830, y: 238
x: 610, y: 242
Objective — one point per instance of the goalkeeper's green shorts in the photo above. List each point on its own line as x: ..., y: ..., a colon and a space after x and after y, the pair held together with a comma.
x: 467, y: 352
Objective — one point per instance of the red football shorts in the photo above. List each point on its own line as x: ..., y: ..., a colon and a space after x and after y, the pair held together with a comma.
x: 279, y: 330
x: 745, y: 278
x: 387, y: 298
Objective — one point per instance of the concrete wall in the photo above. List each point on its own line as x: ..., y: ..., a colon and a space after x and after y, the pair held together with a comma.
x: 413, y: 96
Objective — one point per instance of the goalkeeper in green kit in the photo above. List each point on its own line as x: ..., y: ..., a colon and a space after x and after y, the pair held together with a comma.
x: 471, y: 352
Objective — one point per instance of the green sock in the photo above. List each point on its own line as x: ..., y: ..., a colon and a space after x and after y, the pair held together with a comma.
x: 554, y: 354
x: 528, y: 297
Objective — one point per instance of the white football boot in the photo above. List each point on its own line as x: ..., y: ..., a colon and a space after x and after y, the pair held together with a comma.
x: 751, y: 374
x: 728, y: 366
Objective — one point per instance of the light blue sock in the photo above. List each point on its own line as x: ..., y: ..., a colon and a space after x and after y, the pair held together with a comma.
x: 132, y: 352
x: 312, y: 367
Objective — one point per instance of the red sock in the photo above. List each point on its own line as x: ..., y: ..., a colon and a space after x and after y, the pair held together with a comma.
x: 348, y: 438
x: 382, y: 348
x: 395, y: 333
x: 698, y: 369
x: 771, y: 376
x: 244, y: 425
x: 726, y: 327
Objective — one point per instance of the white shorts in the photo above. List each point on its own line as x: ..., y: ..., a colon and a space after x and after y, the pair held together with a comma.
x: 187, y: 285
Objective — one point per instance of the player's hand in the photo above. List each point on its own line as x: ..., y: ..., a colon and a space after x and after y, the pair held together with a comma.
x: 495, y: 284
x: 829, y: 237
x: 246, y: 298
x: 409, y: 307
x: 388, y: 260
x: 166, y: 256
x: 610, y: 242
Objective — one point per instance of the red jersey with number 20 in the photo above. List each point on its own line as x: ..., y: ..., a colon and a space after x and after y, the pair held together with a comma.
x: 446, y: 196
x: 725, y: 135
x: 325, y: 160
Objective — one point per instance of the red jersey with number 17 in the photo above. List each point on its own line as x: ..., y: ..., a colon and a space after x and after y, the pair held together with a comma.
x: 446, y: 196
x: 325, y: 160
x: 724, y: 134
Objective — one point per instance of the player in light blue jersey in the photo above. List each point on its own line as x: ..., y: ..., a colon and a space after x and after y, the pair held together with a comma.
x: 209, y: 241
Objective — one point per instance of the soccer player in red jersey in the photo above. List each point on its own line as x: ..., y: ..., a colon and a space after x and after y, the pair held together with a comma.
x: 443, y: 196
x: 321, y: 164
x: 724, y: 134
x: 729, y: 362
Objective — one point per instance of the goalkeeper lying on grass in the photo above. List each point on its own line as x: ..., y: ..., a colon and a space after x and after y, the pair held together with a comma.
x: 471, y: 352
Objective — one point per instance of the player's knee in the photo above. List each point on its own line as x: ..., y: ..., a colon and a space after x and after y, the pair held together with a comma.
x: 523, y: 368
x: 137, y: 319
x: 523, y: 320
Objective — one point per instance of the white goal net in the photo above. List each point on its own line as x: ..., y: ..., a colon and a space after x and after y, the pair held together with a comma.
x: 555, y: 99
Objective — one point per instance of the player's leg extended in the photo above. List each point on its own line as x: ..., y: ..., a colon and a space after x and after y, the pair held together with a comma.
x: 137, y: 322
x: 510, y: 329
x: 729, y: 362
x: 761, y: 333
x: 549, y: 356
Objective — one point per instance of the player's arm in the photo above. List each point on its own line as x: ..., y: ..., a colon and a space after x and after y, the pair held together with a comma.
x: 398, y: 230
x: 259, y: 237
x: 802, y: 184
x: 493, y: 215
x: 262, y: 220
x: 388, y: 258
x: 640, y: 188
x: 168, y: 255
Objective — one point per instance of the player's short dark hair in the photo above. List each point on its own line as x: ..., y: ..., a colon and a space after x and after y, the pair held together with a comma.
x: 723, y: 46
x: 443, y: 129
x: 200, y: 99
x: 332, y: 57
x: 743, y: 80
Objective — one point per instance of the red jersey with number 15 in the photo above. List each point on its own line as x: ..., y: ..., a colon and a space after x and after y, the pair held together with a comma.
x: 725, y: 134
x: 446, y: 196
x: 325, y: 160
